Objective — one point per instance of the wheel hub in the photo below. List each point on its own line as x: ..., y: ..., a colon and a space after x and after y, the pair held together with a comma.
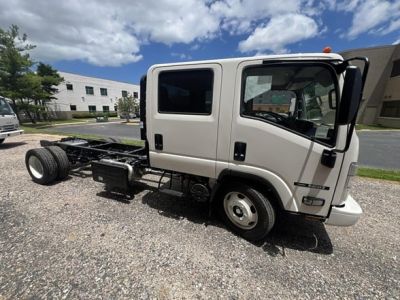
x: 240, y: 210
x: 36, y: 167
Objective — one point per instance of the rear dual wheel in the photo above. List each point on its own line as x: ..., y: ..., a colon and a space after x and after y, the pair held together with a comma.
x: 47, y: 164
x: 41, y: 166
x: 62, y: 161
x: 246, y: 211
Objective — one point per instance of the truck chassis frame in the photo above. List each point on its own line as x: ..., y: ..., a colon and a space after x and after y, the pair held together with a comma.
x: 119, y: 166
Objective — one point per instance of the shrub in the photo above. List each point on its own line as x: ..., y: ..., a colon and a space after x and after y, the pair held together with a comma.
x: 85, y: 114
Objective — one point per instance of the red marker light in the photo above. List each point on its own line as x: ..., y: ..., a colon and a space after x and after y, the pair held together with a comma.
x: 327, y: 50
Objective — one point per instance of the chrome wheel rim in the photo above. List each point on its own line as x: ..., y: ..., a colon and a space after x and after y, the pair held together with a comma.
x: 240, y: 210
x: 36, y: 167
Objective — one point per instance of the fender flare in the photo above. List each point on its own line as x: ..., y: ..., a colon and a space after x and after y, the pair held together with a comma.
x: 287, y: 203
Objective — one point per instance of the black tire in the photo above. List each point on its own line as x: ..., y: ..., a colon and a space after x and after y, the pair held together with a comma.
x: 263, y: 209
x: 62, y: 161
x: 1, y: 141
x: 47, y: 165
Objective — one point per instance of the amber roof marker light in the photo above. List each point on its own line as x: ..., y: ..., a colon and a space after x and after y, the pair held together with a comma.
x: 327, y: 49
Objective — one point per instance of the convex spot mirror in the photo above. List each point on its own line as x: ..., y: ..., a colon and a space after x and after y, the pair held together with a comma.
x: 351, y: 96
x: 332, y: 99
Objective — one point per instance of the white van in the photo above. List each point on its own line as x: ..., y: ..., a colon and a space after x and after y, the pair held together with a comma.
x: 9, y: 125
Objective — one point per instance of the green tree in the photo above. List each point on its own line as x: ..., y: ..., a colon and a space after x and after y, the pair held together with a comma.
x: 49, y: 80
x: 15, y: 63
x: 127, y: 105
x: 29, y: 91
x: 30, y: 87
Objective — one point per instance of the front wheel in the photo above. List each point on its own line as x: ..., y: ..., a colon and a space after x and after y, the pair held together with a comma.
x: 248, y: 212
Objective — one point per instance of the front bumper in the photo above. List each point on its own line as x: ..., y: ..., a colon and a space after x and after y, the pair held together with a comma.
x: 346, y: 215
x: 7, y: 134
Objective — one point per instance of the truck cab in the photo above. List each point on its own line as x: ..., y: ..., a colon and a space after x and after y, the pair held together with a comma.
x: 9, y: 125
x: 265, y: 132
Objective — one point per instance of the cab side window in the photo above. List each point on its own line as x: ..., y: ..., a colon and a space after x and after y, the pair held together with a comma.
x: 299, y: 97
x: 185, y: 92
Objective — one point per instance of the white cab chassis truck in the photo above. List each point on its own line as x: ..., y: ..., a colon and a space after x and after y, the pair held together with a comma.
x: 251, y: 136
x: 9, y: 125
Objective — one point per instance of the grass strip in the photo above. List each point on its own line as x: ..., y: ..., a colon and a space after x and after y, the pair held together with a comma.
x: 372, y: 127
x: 393, y: 175
x: 35, y: 130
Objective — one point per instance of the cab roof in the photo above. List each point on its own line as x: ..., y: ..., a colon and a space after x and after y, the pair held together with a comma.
x: 300, y: 56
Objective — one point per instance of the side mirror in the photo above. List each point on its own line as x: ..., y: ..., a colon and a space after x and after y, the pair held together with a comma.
x: 351, y: 96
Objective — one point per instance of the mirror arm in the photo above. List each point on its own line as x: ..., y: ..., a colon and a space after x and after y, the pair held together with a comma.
x: 366, y: 67
x: 328, y: 157
x: 353, y: 123
x: 348, y: 139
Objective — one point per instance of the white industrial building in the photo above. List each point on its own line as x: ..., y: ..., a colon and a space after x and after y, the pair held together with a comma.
x: 381, y: 102
x: 82, y: 94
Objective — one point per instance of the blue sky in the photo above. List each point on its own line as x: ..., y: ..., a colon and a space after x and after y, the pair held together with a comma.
x: 119, y: 40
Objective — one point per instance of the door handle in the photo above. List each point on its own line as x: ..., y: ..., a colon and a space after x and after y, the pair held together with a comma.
x: 158, y: 141
x: 328, y: 158
x: 239, y: 153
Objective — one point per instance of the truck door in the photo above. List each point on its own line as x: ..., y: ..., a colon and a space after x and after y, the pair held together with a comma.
x: 283, y: 120
x: 182, y: 120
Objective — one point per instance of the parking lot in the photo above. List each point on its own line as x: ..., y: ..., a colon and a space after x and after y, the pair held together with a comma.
x: 71, y: 240
x: 114, y: 129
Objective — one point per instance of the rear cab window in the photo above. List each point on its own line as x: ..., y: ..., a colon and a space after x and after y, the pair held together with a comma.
x: 185, y: 91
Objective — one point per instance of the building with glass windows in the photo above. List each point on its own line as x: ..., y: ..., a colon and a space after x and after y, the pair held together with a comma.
x: 381, y: 101
x: 79, y: 95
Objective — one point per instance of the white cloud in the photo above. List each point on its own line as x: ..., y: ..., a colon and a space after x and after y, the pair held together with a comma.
x: 105, y: 33
x: 195, y: 47
x: 283, y: 18
x: 279, y: 32
x: 393, y: 26
x: 170, y: 21
x: 367, y: 16
x: 181, y: 56
x: 72, y: 30
x: 373, y: 16
x: 111, y: 33
x: 238, y: 16
x: 347, y: 5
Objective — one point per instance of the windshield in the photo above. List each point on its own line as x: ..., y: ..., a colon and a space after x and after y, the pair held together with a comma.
x: 300, y: 97
x: 5, y: 108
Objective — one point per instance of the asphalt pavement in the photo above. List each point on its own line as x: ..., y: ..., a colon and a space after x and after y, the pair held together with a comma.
x: 378, y: 149
x: 112, y: 129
